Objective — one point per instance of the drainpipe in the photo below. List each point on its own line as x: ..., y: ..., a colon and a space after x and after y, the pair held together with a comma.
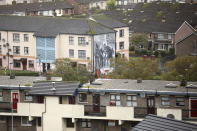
x: 43, y: 114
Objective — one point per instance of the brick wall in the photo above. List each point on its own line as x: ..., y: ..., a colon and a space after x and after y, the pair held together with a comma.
x: 185, y: 47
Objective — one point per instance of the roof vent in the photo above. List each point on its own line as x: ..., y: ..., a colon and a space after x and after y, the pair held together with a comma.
x: 53, y: 89
x: 163, y: 20
x: 97, y: 83
x: 141, y: 11
x: 177, y: 12
x: 171, y: 85
x: 183, y: 83
x: 126, y: 82
x: 191, y: 86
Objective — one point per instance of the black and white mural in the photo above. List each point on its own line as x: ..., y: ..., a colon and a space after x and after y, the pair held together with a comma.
x: 104, y: 49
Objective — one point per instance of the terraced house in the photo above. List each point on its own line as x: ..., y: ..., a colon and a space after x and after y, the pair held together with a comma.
x: 106, y: 105
x: 34, y: 43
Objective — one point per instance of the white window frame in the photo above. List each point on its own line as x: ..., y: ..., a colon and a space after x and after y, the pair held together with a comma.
x: 179, y: 101
x: 160, y: 36
x: 71, y: 40
x: 0, y: 49
x: 16, y: 37
x: 73, y: 55
x: 26, y: 50
x: 115, y: 98
x: 121, y: 47
x: 15, y: 50
x: 121, y: 33
x: 85, y: 101
x: 132, y: 99
x: 165, y: 99
x: 81, y: 41
x: 169, y: 37
x: 82, y: 54
x: 28, y: 123
x: 28, y: 96
x: 26, y: 37
x: 86, y: 123
x: 29, y: 62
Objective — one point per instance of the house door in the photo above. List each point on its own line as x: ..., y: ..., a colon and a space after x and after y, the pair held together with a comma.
x: 14, y: 100
x: 24, y: 65
x: 193, y: 104
x: 43, y: 67
x: 96, y: 103
x: 151, y: 105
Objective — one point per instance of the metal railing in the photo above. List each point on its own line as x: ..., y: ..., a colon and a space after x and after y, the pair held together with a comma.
x: 91, y: 110
x: 141, y: 112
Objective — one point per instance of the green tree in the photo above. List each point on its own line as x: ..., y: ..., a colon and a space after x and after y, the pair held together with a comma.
x: 111, y: 4
x: 68, y: 72
x: 185, y: 66
x: 140, y: 40
x: 134, y: 69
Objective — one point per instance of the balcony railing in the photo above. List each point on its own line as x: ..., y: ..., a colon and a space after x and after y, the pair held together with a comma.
x: 91, y: 110
x: 188, y: 114
x: 141, y: 112
x: 5, y: 107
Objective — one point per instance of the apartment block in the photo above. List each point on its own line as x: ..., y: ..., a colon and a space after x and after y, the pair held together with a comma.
x: 102, y: 105
x: 36, y: 46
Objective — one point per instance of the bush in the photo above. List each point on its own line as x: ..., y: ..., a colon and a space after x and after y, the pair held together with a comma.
x: 149, y: 52
x: 163, y: 53
x: 143, y: 52
x: 131, y: 53
x: 131, y: 48
x: 156, y: 53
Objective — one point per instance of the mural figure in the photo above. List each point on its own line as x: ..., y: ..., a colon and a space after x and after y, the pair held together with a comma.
x: 104, y: 49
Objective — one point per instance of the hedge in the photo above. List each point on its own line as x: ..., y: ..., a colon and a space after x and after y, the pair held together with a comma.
x: 19, y: 73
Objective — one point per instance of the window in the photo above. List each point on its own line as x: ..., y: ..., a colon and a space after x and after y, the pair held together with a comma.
x: 26, y: 50
x: 25, y: 121
x: 121, y: 44
x: 28, y: 98
x: 180, y: 101
x: 85, y: 123
x: 40, y: 99
x: 60, y: 99
x: 1, y: 95
x: 165, y: 101
x: 81, y: 40
x: 82, y: 97
x: 160, y: 36
x: 71, y: 53
x: 111, y: 123
x: 71, y: 40
x: 115, y: 100
x: 31, y: 64
x: 26, y: 37
x: 169, y: 36
x: 16, y: 37
x: 39, y: 121
x: 17, y: 63
x: 82, y: 54
x: 2, y: 119
x: 16, y: 49
x: 0, y: 62
x: 132, y: 101
x: 121, y: 33
x: 0, y: 50
x: 0, y: 36
x: 69, y: 123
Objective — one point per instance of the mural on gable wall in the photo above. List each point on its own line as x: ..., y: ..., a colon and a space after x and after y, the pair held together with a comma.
x: 104, y: 49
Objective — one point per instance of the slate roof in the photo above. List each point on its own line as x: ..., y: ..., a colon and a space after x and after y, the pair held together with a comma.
x: 54, y: 89
x: 151, y: 87
x: 110, y: 22
x: 44, y: 6
x: 148, y: 17
x: 50, y: 27
x: 157, y: 123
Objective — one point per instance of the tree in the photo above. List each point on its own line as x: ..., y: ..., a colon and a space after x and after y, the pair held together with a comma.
x: 181, y: 67
x: 134, y: 69
x: 111, y: 4
x: 140, y: 40
x: 69, y: 72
